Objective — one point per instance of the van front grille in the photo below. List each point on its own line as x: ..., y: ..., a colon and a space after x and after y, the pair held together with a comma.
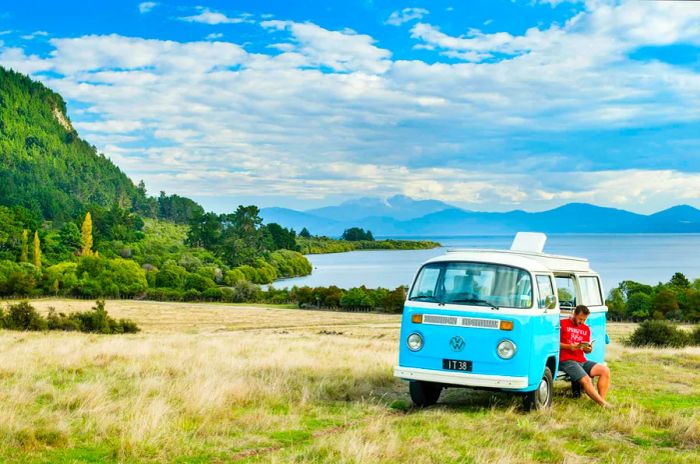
x: 436, y: 319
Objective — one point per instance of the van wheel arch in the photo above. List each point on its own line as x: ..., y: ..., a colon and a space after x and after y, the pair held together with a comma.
x: 540, y: 397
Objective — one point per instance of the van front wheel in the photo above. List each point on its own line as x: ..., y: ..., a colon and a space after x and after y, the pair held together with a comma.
x: 540, y: 397
x: 424, y: 393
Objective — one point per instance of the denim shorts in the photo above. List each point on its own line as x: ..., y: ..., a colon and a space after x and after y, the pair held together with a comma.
x: 577, y: 370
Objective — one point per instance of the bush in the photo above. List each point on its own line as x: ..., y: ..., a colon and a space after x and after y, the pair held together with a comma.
x: 61, y: 322
x: 165, y: 294
x: 659, y: 333
x: 696, y: 335
x: 198, y: 282
x: 192, y: 295
x: 245, y: 292
x: 213, y: 294
x: 98, y: 321
x: 23, y: 316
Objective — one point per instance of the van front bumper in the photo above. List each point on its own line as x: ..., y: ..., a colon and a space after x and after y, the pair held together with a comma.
x: 460, y: 378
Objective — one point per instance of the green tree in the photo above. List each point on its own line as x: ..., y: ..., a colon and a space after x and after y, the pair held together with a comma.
x: 679, y: 281
x: 355, y: 234
x: 24, y: 253
x: 171, y: 275
x: 663, y: 303
x: 305, y: 233
x: 205, y: 230
x: 630, y: 287
x: 638, y: 306
x: 282, y: 238
x: 70, y: 238
x: 615, y: 304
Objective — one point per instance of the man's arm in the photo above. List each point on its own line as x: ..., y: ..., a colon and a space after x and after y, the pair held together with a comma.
x: 570, y: 346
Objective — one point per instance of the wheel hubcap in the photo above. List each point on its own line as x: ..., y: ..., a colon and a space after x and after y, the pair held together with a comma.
x: 543, y: 392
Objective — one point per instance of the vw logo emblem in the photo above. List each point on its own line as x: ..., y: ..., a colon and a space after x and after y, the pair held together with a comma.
x: 457, y: 343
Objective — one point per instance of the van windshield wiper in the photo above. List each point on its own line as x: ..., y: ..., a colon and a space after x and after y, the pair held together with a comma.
x: 475, y: 301
x: 425, y: 297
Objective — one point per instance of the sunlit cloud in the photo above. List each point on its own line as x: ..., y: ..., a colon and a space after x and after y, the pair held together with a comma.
x: 400, y: 17
x: 316, y: 112
x: 147, y: 7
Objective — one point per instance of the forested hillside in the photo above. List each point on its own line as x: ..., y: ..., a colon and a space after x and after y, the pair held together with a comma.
x: 45, y: 167
x: 72, y: 223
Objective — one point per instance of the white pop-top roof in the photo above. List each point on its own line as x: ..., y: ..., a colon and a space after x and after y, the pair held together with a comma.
x: 520, y: 256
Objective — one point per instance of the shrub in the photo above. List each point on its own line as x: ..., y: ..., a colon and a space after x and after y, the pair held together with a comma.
x: 165, y: 294
x: 659, y: 333
x: 213, y: 294
x: 171, y: 275
x: 245, y: 291
x: 61, y: 278
x: 696, y: 335
x: 23, y: 316
x: 94, y: 321
x: 198, y: 282
x: 129, y: 326
x: 61, y: 322
x: 234, y: 276
x: 192, y: 295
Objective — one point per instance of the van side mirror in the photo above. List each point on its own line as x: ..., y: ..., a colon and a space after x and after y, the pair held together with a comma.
x: 550, y: 302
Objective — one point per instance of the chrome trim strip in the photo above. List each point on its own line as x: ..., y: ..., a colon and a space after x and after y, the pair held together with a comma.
x: 461, y: 321
x: 459, y: 378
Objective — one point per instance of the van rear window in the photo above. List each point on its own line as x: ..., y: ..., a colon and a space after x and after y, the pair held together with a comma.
x: 479, y: 284
x: 590, y: 291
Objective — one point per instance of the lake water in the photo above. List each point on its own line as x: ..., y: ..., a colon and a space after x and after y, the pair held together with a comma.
x: 646, y: 258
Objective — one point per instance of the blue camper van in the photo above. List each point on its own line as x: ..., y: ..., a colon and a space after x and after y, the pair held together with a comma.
x: 489, y: 319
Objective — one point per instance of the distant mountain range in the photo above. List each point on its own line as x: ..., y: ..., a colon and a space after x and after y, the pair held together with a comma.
x: 403, y: 216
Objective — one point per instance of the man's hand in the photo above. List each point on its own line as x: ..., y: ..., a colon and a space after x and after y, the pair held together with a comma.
x: 587, y: 348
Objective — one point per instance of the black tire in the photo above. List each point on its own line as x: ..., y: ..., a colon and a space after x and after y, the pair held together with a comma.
x: 540, y: 397
x: 424, y: 394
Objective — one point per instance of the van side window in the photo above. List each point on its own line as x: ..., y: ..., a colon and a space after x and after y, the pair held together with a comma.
x: 566, y: 290
x: 546, y: 292
x: 590, y: 291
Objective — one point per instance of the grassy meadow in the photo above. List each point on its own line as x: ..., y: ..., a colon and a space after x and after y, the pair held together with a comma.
x: 236, y: 383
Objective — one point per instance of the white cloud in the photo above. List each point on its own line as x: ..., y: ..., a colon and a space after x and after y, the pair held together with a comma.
x: 214, y: 36
x: 329, y: 112
x: 35, y: 34
x: 207, y: 16
x: 400, y: 17
x: 554, y: 3
x: 113, y: 126
x: 147, y: 7
x: 339, y: 50
x: 16, y: 59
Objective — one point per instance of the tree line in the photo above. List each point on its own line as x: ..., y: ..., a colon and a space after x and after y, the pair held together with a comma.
x: 131, y: 257
x: 676, y: 300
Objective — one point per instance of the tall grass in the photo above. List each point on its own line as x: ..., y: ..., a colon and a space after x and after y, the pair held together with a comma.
x: 214, y: 383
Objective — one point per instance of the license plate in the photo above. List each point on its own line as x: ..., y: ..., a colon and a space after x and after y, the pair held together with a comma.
x: 457, y: 365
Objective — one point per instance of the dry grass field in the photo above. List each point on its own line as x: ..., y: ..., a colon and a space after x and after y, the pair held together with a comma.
x: 227, y: 383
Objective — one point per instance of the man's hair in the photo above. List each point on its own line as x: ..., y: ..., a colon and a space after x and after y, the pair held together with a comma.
x: 582, y: 309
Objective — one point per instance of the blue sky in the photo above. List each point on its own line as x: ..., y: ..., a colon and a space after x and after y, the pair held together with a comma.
x: 489, y: 105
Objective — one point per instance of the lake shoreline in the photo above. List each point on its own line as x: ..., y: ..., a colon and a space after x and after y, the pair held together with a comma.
x: 645, y: 258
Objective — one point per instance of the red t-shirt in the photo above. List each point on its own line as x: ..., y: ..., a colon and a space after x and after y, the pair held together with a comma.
x: 573, y: 334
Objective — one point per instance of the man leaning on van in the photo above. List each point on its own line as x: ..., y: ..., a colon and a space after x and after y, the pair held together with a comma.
x: 575, y: 340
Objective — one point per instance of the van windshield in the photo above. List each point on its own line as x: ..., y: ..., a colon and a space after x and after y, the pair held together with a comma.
x: 479, y: 284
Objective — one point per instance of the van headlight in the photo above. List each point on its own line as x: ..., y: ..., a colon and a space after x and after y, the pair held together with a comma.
x: 506, y: 349
x: 414, y: 341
